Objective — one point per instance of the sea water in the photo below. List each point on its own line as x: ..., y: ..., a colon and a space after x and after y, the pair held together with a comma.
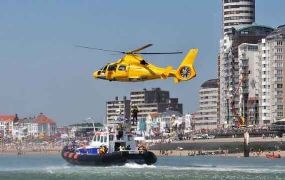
x: 53, y: 167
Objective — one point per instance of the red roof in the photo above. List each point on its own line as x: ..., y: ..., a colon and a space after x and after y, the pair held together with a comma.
x: 43, y: 119
x: 7, y: 118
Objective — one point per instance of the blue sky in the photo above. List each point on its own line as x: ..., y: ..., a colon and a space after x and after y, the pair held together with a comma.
x: 42, y: 71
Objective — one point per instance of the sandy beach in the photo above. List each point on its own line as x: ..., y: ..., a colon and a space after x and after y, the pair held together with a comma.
x: 188, y: 153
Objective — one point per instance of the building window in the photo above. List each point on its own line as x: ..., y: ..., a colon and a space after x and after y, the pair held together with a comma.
x: 279, y: 43
x: 279, y: 57
x: 279, y: 50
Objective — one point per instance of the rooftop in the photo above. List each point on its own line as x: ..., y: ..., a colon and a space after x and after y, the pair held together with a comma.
x: 43, y: 119
x: 254, y: 25
x: 7, y: 118
x: 212, y: 83
x: 280, y: 31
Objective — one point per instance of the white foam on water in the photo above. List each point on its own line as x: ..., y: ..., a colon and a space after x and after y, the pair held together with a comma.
x: 138, y: 166
x: 49, y: 169
x: 55, y: 169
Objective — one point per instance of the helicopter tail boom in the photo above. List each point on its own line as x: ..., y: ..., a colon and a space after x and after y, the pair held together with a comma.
x: 186, y: 70
x: 166, y: 73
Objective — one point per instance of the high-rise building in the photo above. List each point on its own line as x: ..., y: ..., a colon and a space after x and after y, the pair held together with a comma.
x: 272, y: 76
x: 237, y: 13
x: 118, y: 108
x: 154, y: 100
x: 207, y: 117
x: 249, y: 68
x: 230, y: 79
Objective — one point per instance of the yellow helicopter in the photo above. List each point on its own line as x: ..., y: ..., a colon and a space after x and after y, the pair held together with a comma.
x: 132, y: 67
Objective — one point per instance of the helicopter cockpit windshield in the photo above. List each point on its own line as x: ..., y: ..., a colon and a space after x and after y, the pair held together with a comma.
x: 104, y: 68
x: 112, y: 67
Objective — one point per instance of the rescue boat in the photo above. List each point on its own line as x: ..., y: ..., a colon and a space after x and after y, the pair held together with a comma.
x: 115, y: 145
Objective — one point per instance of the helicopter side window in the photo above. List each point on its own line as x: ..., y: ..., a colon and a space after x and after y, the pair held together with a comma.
x: 122, y: 68
x: 104, y: 68
x: 112, y: 67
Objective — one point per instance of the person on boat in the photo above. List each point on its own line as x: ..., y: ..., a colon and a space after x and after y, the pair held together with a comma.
x: 103, y: 150
x: 142, y: 148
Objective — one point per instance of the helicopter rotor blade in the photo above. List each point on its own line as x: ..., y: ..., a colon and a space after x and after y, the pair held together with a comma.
x: 136, y: 51
x: 139, y: 49
x: 93, y: 48
x: 160, y: 53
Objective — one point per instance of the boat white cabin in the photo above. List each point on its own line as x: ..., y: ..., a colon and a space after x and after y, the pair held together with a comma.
x: 115, y: 137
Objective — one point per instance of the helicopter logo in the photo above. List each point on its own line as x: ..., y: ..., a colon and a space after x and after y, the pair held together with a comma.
x: 132, y: 67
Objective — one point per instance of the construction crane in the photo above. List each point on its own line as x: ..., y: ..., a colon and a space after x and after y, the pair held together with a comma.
x: 240, y: 119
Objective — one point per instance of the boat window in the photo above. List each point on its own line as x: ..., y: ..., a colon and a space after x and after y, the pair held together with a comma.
x: 112, y: 67
x: 105, y: 138
x: 97, y: 138
x: 111, y: 137
x: 130, y: 137
x: 101, y: 139
x: 122, y: 68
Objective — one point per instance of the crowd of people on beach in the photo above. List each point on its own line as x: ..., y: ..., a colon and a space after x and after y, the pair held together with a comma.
x: 238, y: 132
x: 22, y: 147
x: 37, y: 146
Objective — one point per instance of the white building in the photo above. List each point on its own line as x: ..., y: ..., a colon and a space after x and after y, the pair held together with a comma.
x: 272, y: 55
x: 165, y: 124
x: 25, y: 127
x: 117, y: 108
x: 237, y: 13
x: 249, y: 68
x: 207, y: 115
x: 229, y: 66
x: 7, y: 125
x: 187, y: 119
x: 46, y: 127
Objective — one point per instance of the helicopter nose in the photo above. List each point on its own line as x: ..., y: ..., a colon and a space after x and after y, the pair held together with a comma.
x: 95, y: 74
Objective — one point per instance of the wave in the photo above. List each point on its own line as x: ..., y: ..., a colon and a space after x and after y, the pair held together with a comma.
x: 131, y: 167
x: 138, y: 166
